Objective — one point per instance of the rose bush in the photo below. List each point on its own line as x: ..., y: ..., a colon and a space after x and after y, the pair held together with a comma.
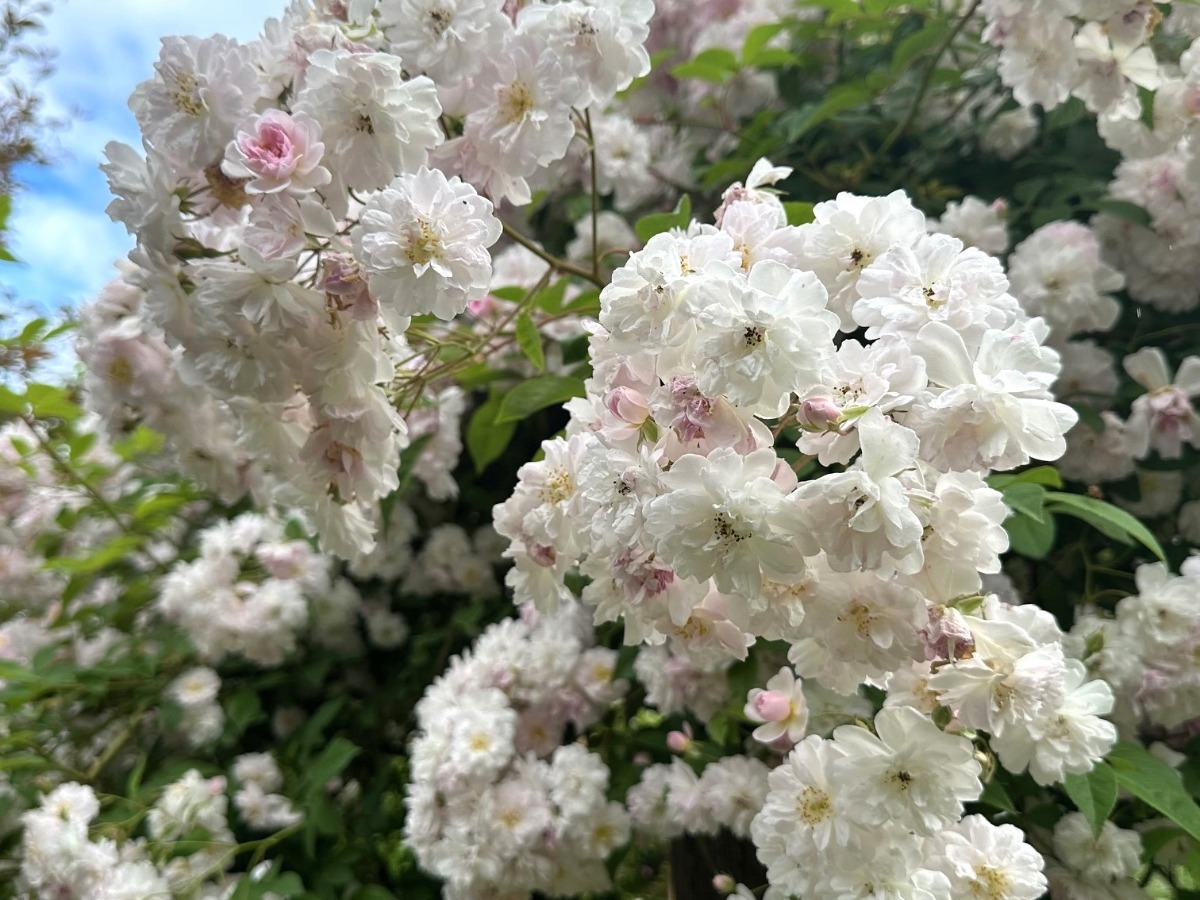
x: 817, y: 379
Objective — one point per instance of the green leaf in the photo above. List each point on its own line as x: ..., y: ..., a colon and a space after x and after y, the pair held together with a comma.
x: 757, y: 40
x: 720, y: 728
x: 115, y: 551
x: 529, y: 339
x: 1043, y: 475
x: 1029, y: 537
x: 1155, y: 783
x: 715, y: 64
x: 841, y: 98
x: 656, y: 223
x: 587, y: 300
x: 338, y: 754
x: 839, y: 10
x: 12, y: 763
x: 373, y: 892
x: 287, y: 884
x: 243, y: 709
x: 918, y: 42
x: 135, y: 777
x: 511, y: 294
x: 487, y: 440
x: 1123, y: 209
x: 1064, y: 115
x: 1026, y: 499
x: 551, y: 299
x: 775, y: 58
x: 323, y: 817
x: 1146, y: 96
x: 31, y: 331
x: 1156, y: 838
x: 1090, y: 417
x: 537, y: 393
x: 995, y: 796
x: 11, y: 402
x: 798, y: 212
x: 158, y: 505
x: 48, y: 401
x: 1094, y: 794
x: 310, y: 732
x: 142, y: 442
x: 1109, y: 520
x: 272, y: 883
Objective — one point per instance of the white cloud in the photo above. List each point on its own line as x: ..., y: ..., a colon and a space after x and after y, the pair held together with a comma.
x: 104, y: 48
x: 67, y: 253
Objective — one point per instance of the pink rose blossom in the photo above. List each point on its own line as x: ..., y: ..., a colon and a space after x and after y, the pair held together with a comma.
x: 277, y: 152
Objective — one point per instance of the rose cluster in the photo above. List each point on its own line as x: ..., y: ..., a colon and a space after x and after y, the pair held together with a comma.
x: 300, y: 199
x: 498, y: 804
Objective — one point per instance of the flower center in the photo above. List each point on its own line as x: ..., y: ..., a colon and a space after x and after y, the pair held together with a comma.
x: 439, y: 20
x: 813, y: 806
x: 516, y: 102
x: 989, y: 884
x: 120, y: 372
x: 185, y: 94
x: 691, y: 629
x: 558, y: 486
x: 726, y: 530
x: 860, y: 616
x: 422, y: 243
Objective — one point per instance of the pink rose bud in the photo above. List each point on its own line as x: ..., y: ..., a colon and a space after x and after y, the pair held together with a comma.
x: 628, y: 405
x: 818, y: 414
x: 679, y: 742
x: 724, y: 884
x: 484, y: 308
x: 772, y: 706
x: 1191, y: 100
x: 642, y: 759
x: 1000, y: 207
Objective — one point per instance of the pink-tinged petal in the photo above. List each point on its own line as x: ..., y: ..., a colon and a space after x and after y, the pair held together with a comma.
x: 1148, y: 367
x: 1187, y: 379
x: 946, y: 359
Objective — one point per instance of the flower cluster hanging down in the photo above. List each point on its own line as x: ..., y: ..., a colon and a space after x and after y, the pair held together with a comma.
x: 898, y: 360
x: 301, y: 198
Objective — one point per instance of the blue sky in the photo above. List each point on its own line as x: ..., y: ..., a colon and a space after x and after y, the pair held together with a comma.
x: 58, y: 229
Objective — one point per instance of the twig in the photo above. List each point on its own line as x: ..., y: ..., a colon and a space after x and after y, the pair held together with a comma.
x: 591, y: 138
x: 923, y: 87
x: 555, y: 263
